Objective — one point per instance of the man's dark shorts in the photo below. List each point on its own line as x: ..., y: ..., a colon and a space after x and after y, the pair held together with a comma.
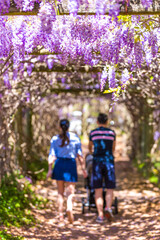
x: 103, y: 175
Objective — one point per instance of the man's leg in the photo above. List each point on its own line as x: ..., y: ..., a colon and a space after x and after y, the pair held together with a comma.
x: 97, y: 185
x: 110, y: 185
x: 109, y: 198
x: 99, y: 201
x: 108, y: 208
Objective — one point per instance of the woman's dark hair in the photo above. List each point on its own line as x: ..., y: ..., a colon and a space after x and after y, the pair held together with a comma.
x: 64, y: 124
x: 102, y: 118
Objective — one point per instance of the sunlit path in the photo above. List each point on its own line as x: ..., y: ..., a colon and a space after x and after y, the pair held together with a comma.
x: 138, y: 216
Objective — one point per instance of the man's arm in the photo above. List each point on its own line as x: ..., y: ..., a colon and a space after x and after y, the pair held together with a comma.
x: 113, y: 146
x: 90, y: 147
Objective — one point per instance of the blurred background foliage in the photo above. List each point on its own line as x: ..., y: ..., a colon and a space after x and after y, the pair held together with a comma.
x: 33, y: 127
x: 28, y: 128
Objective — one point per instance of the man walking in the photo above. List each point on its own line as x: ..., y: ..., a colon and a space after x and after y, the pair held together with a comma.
x: 102, y: 146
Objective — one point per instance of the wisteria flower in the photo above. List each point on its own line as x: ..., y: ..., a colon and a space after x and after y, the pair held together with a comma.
x: 104, y: 77
x: 111, y: 77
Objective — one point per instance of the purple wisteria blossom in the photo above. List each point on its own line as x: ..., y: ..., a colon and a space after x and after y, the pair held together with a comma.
x: 29, y: 68
x: 28, y: 97
x: 125, y: 77
x: 146, y: 3
x: 85, y: 2
x: 104, y: 77
x: 152, y: 42
x: 73, y: 6
x: 100, y: 7
x: 26, y: 5
x: 15, y: 74
x: 63, y: 80
x: 19, y: 3
x: 47, y: 16
x: 156, y: 135
x: 112, y: 77
x: 18, y: 39
x: 4, y: 6
x: 91, y: 39
x: 29, y: 179
x: 114, y: 9
x: 5, y: 35
x: 41, y: 58
x: 50, y: 62
x: 138, y: 54
x: 149, y: 56
x: 6, y: 80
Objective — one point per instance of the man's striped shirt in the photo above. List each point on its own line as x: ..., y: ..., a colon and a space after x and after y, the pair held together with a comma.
x: 102, y: 139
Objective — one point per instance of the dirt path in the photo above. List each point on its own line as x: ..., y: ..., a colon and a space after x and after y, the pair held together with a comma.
x: 138, y: 217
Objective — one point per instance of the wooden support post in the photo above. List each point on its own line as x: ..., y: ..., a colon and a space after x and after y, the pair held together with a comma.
x: 29, y: 132
x: 19, y: 133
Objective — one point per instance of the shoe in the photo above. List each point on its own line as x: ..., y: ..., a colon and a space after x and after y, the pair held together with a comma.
x: 70, y: 216
x: 61, y: 224
x: 109, y: 214
x: 99, y: 220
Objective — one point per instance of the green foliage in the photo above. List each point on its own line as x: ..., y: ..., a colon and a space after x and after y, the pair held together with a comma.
x: 150, y: 168
x: 16, y: 200
x: 37, y: 168
x: 154, y: 179
x: 5, y: 236
x: 141, y: 165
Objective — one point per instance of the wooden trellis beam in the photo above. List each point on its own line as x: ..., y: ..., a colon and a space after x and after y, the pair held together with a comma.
x: 33, y: 13
x: 76, y: 91
x: 83, y: 69
x: 43, y: 52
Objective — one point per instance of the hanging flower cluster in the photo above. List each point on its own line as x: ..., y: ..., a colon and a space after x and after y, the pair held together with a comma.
x: 4, y: 6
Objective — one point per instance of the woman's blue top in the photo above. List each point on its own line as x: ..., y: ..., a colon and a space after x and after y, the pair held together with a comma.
x: 68, y: 151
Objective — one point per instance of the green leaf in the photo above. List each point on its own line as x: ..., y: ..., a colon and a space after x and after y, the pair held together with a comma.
x: 141, y: 165
x: 153, y: 179
x: 157, y: 165
x: 136, y: 38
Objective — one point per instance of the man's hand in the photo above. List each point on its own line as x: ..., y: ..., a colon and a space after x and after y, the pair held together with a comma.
x: 90, y: 147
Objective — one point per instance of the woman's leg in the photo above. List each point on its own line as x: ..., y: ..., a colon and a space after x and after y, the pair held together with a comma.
x: 70, y: 189
x: 60, y: 186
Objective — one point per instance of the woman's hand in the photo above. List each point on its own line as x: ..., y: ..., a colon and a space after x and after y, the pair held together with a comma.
x: 49, y: 174
x: 80, y: 159
x: 84, y: 173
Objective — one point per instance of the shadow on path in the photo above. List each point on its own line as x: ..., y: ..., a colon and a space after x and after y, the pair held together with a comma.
x: 138, y: 217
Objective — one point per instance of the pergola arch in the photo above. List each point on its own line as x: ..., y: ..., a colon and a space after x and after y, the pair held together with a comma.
x: 28, y: 87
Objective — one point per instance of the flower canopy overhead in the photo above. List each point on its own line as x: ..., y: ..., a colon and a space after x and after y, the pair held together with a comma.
x: 52, y: 37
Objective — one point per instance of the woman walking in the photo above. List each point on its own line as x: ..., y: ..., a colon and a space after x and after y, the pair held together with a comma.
x: 64, y: 149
